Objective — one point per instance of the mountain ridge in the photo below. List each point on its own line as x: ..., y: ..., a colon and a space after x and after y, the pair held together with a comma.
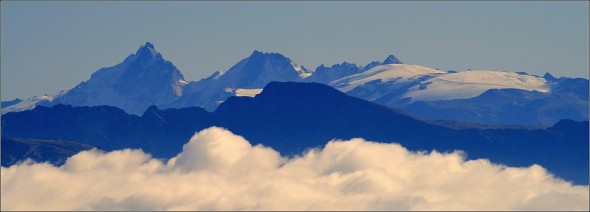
x: 145, y: 78
x: 292, y: 117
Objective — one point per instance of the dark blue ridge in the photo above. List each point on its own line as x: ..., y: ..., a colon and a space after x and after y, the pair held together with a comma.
x: 56, y: 152
x: 293, y: 117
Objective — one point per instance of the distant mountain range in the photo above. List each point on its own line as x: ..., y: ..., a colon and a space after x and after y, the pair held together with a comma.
x: 144, y: 102
x: 145, y: 78
x: 479, y: 96
x: 292, y: 117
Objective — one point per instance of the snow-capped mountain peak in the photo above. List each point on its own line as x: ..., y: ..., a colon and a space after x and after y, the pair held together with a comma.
x: 248, y: 75
x: 141, y: 80
x: 260, y: 68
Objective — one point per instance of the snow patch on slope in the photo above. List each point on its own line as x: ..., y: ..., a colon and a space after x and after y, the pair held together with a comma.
x: 469, y: 84
x: 32, y: 102
x: 390, y: 72
x: 303, y: 73
x: 247, y: 92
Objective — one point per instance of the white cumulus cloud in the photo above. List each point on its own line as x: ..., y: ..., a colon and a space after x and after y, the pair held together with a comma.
x: 218, y: 170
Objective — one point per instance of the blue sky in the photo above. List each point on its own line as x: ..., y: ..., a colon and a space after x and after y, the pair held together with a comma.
x: 50, y: 46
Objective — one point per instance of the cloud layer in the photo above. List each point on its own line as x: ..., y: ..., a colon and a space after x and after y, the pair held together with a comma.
x: 218, y: 170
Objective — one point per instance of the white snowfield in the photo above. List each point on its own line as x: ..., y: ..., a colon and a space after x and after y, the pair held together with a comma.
x: 469, y: 84
x: 401, y: 73
x: 441, y: 85
x: 31, y: 103
x: 248, y: 92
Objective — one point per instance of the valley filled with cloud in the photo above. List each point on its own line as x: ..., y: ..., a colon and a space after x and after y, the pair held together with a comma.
x: 218, y: 170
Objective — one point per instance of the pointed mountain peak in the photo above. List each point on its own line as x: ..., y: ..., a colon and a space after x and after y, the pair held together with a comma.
x: 268, y: 55
x: 148, y: 49
x: 256, y: 52
x: 149, y: 45
x: 549, y: 77
x: 392, y: 60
